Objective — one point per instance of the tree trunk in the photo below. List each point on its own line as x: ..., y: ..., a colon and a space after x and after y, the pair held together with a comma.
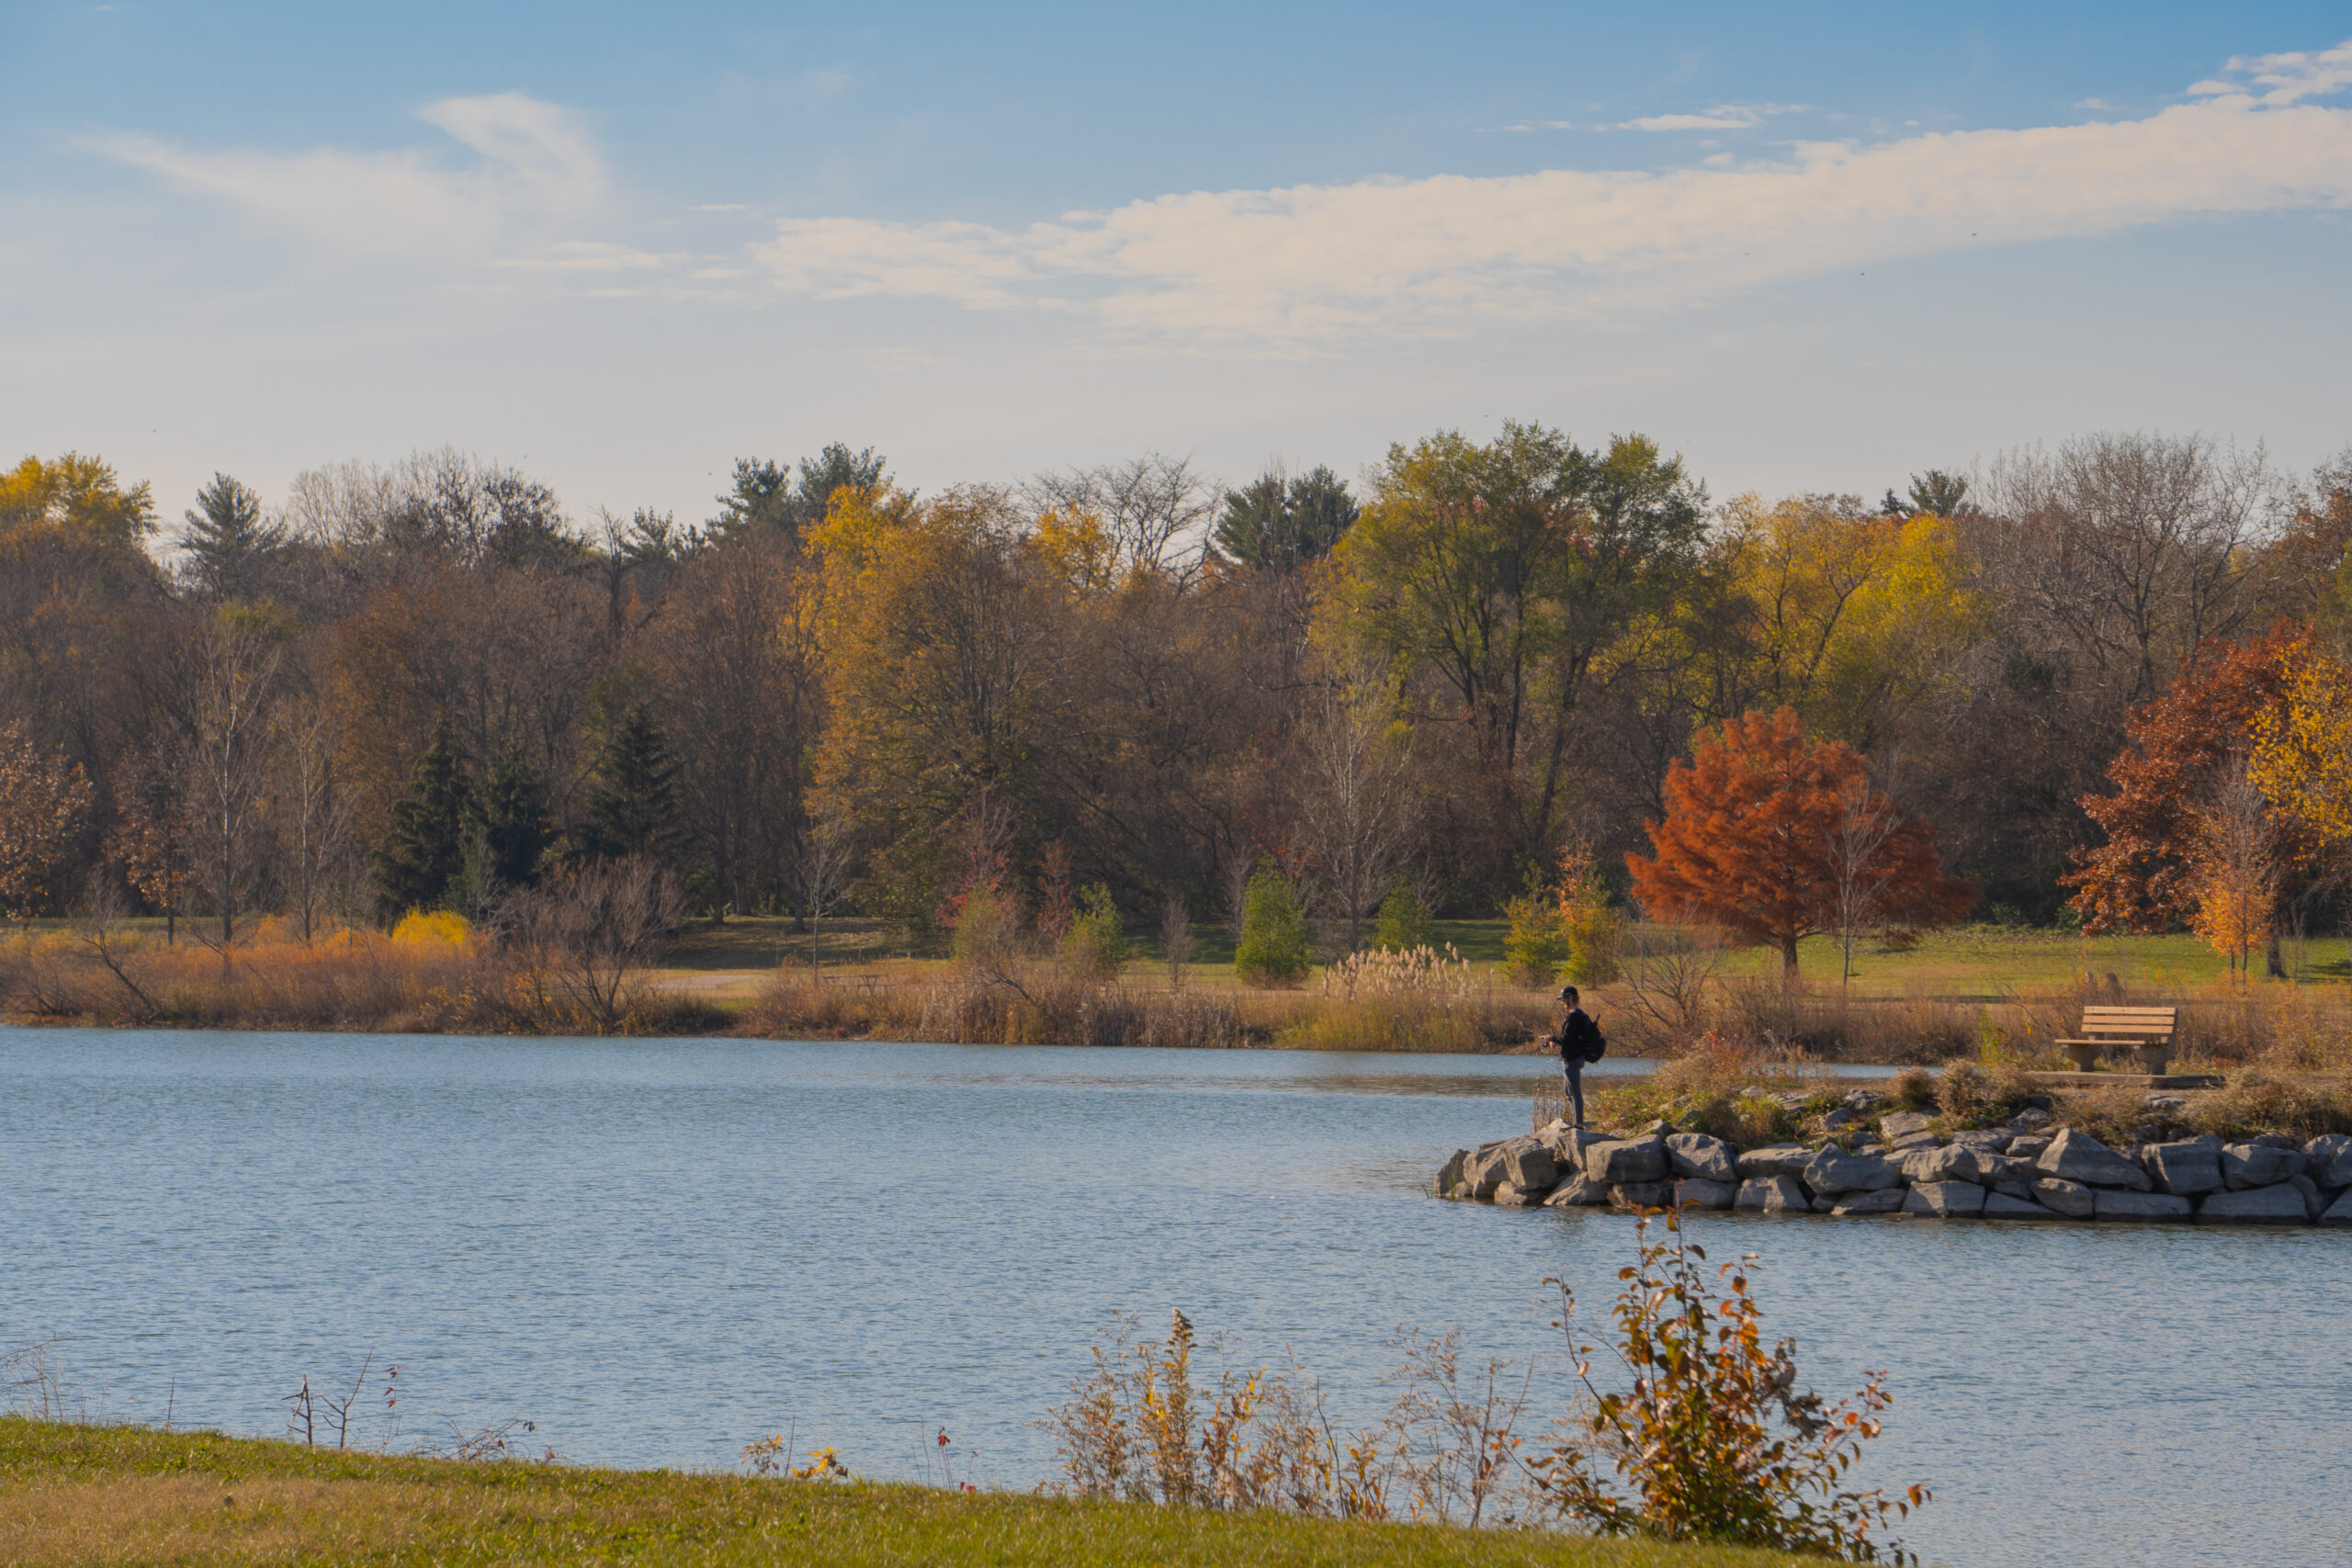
x: 2274, y: 965
x: 1788, y: 959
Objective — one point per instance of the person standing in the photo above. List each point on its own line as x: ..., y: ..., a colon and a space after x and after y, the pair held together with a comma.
x: 1579, y: 1042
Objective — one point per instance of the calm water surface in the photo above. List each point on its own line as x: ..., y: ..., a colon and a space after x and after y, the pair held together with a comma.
x: 659, y: 1251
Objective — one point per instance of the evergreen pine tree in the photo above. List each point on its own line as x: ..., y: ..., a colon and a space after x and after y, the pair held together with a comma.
x: 633, y: 800
x: 424, y: 852
x: 516, y: 828
x: 1273, y: 949
x: 226, y: 538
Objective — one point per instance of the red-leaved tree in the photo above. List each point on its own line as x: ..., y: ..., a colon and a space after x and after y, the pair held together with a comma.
x: 1776, y: 836
x: 2186, y: 748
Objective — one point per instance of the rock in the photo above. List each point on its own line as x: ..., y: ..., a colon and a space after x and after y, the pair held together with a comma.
x: 1954, y: 1162
x: 1984, y: 1139
x: 2165, y: 1104
x: 2008, y: 1206
x: 1482, y: 1173
x: 1830, y: 1172
x: 2277, y: 1141
x: 1567, y: 1145
x: 1909, y: 1141
x: 2033, y: 1119
x: 1885, y: 1200
x: 1860, y: 1099
x: 1695, y: 1193
x: 2276, y: 1206
x: 2314, y: 1204
x: 2183, y: 1168
x: 1653, y: 1129
x: 1781, y: 1195
x: 2071, y: 1198
x: 1698, y: 1156
x: 1578, y: 1191
x: 2245, y: 1166
x: 1822, y: 1205
x: 1840, y: 1118
x: 1449, y: 1175
x: 1528, y: 1165
x: 2007, y: 1170
x: 2077, y: 1156
x: 2027, y: 1145
x: 2330, y: 1159
x: 1945, y: 1200
x: 1640, y: 1194
x: 2339, y: 1212
x: 1510, y: 1195
x: 2112, y: 1205
x: 1775, y: 1159
x: 1625, y: 1159
x: 1903, y: 1124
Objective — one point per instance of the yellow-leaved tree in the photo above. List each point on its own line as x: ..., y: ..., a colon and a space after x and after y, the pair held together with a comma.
x: 79, y: 494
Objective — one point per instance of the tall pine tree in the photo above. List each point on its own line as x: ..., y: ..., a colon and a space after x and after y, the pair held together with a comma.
x: 516, y: 828
x: 229, y: 542
x: 633, y: 799
x: 423, y: 854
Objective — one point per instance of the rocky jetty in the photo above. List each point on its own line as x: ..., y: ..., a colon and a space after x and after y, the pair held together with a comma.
x: 1895, y: 1163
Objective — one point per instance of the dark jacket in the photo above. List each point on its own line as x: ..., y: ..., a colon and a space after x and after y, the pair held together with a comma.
x: 1579, y: 1038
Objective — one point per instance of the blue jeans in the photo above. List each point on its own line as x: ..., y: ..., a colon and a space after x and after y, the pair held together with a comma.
x: 1571, y: 1069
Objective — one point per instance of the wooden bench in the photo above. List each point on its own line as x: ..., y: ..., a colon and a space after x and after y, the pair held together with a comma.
x: 2145, y: 1032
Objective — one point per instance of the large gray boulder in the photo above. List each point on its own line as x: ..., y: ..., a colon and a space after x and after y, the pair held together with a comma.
x: 2002, y: 1171
x: 1697, y: 1192
x: 1781, y: 1195
x: 1832, y: 1171
x: 1528, y: 1164
x: 2029, y: 1145
x: 1568, y: 1145
x: 1885, y: 1200
x: 2245, y: 1166
x: 1625, y: 1159
x: 2314, y: 1204
x: 2339, y: 1212
x: 1482, y: 1172
x: 2071, y: 1198
x: 1578, y: 1191
x: 1449, y: 1175
x: 1775, y: 1159
x: 1946, y: 1200
x: 1510, y: 1195
x: 1697, y: 1156
x: 1642, y: 1194
x: 2113, y: 1205
x: 1984, y: 1139
x: 2281, y: 1205
x: 2187, y: 1169
x: 1903, y: 1124
x: 2330, y: 1158
x: 1953, y: 1162
x: 2076, y: 1156
x: 2005, y: 1206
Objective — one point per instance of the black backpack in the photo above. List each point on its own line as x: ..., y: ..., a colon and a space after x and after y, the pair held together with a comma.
x: 1585, y: 1035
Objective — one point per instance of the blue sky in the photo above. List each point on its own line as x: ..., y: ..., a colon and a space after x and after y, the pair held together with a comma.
x: 1812, y: 247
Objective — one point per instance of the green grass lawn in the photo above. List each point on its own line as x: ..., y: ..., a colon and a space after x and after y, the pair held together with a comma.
x: 73, y: 1495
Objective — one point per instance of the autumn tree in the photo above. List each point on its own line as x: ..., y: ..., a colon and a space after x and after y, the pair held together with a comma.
x: 78, y: 495
x: 2233, y: 872
x: 1747, y: 840
x: 2182, y: 750
x: 43, y: 797
x: 1356, y: 800
x: 233, y: 671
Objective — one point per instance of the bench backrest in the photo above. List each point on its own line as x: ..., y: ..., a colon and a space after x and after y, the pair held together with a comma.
x: 2144, y: 1021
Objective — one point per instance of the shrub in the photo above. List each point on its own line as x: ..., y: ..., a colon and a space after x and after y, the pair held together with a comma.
x: 1588, y: 923
x: 442, y: 928
x: 1915, y: 1089
x: 1538, y: 944
x: 1273, y: 949
x: 1961, y: 1091
x: 1404, y: 924
x: 1095, y: 947
x: 1711, y: 1441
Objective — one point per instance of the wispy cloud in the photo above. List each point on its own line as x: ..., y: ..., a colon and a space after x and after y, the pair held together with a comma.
x: 536, y: 163
x: 2288, y: 78
x: 1310, y: 264
x: 1722, y: 117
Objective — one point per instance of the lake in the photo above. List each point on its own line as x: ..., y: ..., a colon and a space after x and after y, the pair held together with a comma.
x: 659, y: 1250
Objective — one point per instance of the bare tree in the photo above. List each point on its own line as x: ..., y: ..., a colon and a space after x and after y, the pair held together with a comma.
x: 1156, y: 509
x: 1865, y: 820
x: 1357, y: 801
x: 235, y: 668
x: 2132, y: 546
x: 826, y: 849
x: 315, y: 813
x: 587, y: 935
x: 1176, y: 939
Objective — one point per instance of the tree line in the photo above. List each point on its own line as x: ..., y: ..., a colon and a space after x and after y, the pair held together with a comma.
x: 429, y: 685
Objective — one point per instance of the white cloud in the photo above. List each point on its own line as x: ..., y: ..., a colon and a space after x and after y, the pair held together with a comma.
x: 537, y: 163
x: 1397, y: 257
x: 1722, y: 117
x: 2288, y: 77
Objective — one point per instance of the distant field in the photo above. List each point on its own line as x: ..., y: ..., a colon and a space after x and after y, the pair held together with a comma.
x: 1973, y: 961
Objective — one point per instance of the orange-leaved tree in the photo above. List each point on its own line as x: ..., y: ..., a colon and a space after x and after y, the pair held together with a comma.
x: 2187, y: 747
x: 1775, y: 837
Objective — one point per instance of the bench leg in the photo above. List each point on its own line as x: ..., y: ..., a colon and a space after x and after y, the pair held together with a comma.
x: 2084, y: 1056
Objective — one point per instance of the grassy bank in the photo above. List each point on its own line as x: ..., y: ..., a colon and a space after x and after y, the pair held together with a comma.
x: 73, y: 1495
